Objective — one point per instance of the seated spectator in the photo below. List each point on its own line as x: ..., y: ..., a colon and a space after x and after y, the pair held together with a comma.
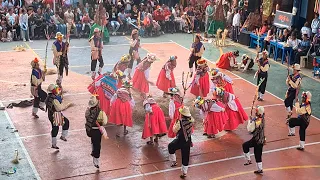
x: 36, y: 4
x: 269, y: 37
x: 160, y: 18
x: 315, y: 24
x: 263, y: 29
x: 302, y: 49
x: 169, y: 25
x: 179, y: 23
x: 134, y: 15
x: 13, y: 24
x: 86, y: 20
x: 24, y: 27
x: 77, y: 21
x: 4, y: 33
x: 306, y: 30
x: 69, y: 19
x: 284, y: 37
x: 50, y: 26
x: 31, y: 21
x: 123, y: 21
x: 40, y: 23
x: 114, y: 20
x: 60, y: 26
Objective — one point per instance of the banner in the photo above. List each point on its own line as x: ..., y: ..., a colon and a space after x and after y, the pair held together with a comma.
x: 283, y: 19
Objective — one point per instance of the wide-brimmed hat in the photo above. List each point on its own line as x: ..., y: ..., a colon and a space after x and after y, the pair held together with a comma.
x: 260, y: 110
x: 173, y: 58
x: 96, y: 30
x: 93, y: 102
x: 185, y: 111
x: 51, y: 87
x: 127, y: 84
x: 173, y: 90
x: 244, y: 56
x: 151, y: 57
x: 201, y: 62
x: 59, y: 34
x: 198, y: 101
x: 308, y: 95
x: 125, y: 58
x: 297, y: 67
x: 34, y: 62
x: 149, y: 100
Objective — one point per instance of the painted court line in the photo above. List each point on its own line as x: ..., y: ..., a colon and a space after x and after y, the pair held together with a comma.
x: 270, y: 105
x: 210, y: 162
x: 243, y: 78
x: 22, y: 146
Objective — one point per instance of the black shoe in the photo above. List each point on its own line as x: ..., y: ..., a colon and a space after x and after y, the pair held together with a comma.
x: 300, y: 148
x: 42, y: 108
x: 191, y: 75
x: 258, y: 172
x: 97, y: 166
x: 291, y: 135
x: 54, y: 147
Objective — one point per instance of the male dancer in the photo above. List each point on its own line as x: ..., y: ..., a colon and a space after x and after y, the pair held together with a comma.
x: 197, y: 50
x: 96, y: 52
x: 263, y: 65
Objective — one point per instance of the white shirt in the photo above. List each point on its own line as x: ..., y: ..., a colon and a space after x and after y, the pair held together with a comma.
x: 236, y: 20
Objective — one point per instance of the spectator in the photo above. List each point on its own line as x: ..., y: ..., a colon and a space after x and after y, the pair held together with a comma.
x: 40, y: 23
x: 306, y: 30
x: 13, y: 26
x: 10, y: 4
x: 77, y: 21
x: 123, y: 21
x: 119, y: 7
x: 284, y: 37
x: 114, y: 20
x: 302, y: 50
x: 160, y: 18
x: 32, y: 22
x: 209, y: 15
x: 36, y: 4
x: 24, y: 27
x: 269, y: 37
x: 60, y: 26
x: 69, y: 19
x: 168, y: 19
x: 87, y: 8
x: 4, y: 30
x: 50, y: 26
x: 264, y: 28
x: 315, y: 24
x: 235, y: 26
x: 86, y: 21
x: 128, y: 6
x: 61, y: 14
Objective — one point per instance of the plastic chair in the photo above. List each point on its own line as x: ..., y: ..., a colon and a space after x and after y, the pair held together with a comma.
x: 303, y: 59
x: 316, y: 67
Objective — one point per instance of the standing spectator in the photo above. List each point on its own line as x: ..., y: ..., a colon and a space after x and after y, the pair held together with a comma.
x: 87, y: 7
x: 86, y: 21
x: 36, y: 4
x: 40, y: 24
x: 10, y: 4
x: 128, y: 6
x: 69, y: 19
x: 32, y: 22
x: 209, y: 15
x: 123, y: 22
x: 114, y: 20
x: 77, y: 21
x: 13, y: 26
x: 60, y: 26
x: 24, y: 27
x: 306, y: 30
x: 50, y: 26
x: 235, y: 26
x: 315, y: 24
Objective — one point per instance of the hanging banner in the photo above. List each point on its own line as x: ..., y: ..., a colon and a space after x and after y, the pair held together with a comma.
x: 283, y: 19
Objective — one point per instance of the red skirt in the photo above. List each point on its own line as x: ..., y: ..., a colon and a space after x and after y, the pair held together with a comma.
x: 140, y: 82
x: 119, y: 85
x: 154, y: 123
x: 121, y: 113
x: 164, y: 83
x: 104, y: 102
x: 235, y: 117
x: 228, y: 88
x: 215, y: 122
x: 171, y: 134
x: 203, y: 88
x: 224, y: 62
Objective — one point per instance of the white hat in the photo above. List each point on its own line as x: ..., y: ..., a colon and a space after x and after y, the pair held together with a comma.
x: 149, y: 100
x: 185, y: 111
x: 297, y: 67
x: 93, y: 102
x: 309, y: 95
x: 151, y: 57
x: 58, y: 34
x: 51, y: 87
x: 260, y: 110
x: 244, y: 56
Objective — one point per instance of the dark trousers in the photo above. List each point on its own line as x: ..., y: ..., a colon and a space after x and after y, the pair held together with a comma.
x: 169, y: 26
x: 177, y: 144
x: 42, y: 96
x: 297, y: 56
x: 262, y: 87
x: 55, y: 129
x: 257, y: 148
x: 235, y: 33
x: 293, y: 122
x: 96, y: 142
x: 163, y: 25
x: 193, y: 60
x: 291, y: 96
x: 94, y: 63
x: 265, y: 45
x: 132, y: 59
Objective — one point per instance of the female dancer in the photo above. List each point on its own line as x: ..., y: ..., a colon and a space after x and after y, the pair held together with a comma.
x: 120, y: 68
x: 197, y: 49
x: 221, y: 80
x: 166, y: 77
x: 200, y: 84
x: 134, y: 50
x: 175, y: 103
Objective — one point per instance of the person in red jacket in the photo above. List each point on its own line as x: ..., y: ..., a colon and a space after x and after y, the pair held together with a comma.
x: 160, y: 18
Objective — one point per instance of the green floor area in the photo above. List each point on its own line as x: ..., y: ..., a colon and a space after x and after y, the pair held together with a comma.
x: 9, y: 142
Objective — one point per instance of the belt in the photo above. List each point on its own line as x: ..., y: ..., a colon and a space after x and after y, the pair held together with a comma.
x: 95, y: 127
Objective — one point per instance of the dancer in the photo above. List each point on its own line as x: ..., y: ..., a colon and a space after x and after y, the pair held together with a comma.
x: 183, y: 129
x: 120, y: 68
x: 55, y: 107
x: 197, y: 49
x: 263, y: 65
x: 214, y: 116
x: 175, y: 103
x: 95, y: 118
x: 96, y: 52
x: 141, y: 75
x: 247, y: 62
x: 166, y: 78
x: 122, y: 104
x: 200, y: 84
x: 37, y: 77
x: 294, y: 83
x: 234, y: 109
x: 221, y: 80
x: 60, y: 57
x: 304, y: 112
x: 256, y: 127
x: 154, y: 123
x: 134, y: 50
x: 228, y: 60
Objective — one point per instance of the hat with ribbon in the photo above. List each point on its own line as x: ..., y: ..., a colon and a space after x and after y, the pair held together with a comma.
x: 127, y: 84
x: 173, y: 58
x: 59, y: 35
x: 173, y: 90
x: 215, y: 72
x: 151, y: 57
x: 198, y: 101
x: 297, y: 67
x: 201, y: 62
x: 260, y: 110
x: 34, y: 62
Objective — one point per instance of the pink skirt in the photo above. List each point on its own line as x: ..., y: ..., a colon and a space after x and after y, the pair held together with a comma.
x: 140, y: 82
x: 164, y: 83
x: 203, y: 88
x: 154, y: 123
x: 121, y: 113
x: 235, y: 117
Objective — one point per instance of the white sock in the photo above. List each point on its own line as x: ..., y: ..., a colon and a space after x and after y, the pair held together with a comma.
x: 96, y: 161
x: 184, y: 169
x: 34, y: 110
x: 191, y: 70
x: 302, y: 144
x: 42, y: 104
x: 64, y: 133
x: 54, y: 141
x: 259, y: 165
x: 261, y: 97
x: 247, y: 156
x: 172, y: 157
x: 288, y: 109
x: 259, y: 94
x: 292, y: 130
x: 100, y: 69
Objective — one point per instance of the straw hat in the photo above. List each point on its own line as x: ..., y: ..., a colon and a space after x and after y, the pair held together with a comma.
x: 201, y: 62
x: 93, y: 102
x: 51, y: 87
x: 308, y: 95
x: 34, y: 62
x: 96, y: 30
x: 151, y: 57
x: 125, y: 58
x: 244, y: 56
x: 260, y: 110
x: 59, y: 34
x: 173, y: 90
x: 297, y: 67
x: 185, y: 111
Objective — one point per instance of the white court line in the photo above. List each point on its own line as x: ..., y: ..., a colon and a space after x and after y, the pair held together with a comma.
x: 210, y: 162
x: 242, y: 78
x: 22, y: 145
x: 270, y: 105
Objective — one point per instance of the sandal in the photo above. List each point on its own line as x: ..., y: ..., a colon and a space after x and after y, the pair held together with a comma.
x: 210, y: 136
x: 150, y: 142
x: 174, y: 164
x: 247, y: 163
